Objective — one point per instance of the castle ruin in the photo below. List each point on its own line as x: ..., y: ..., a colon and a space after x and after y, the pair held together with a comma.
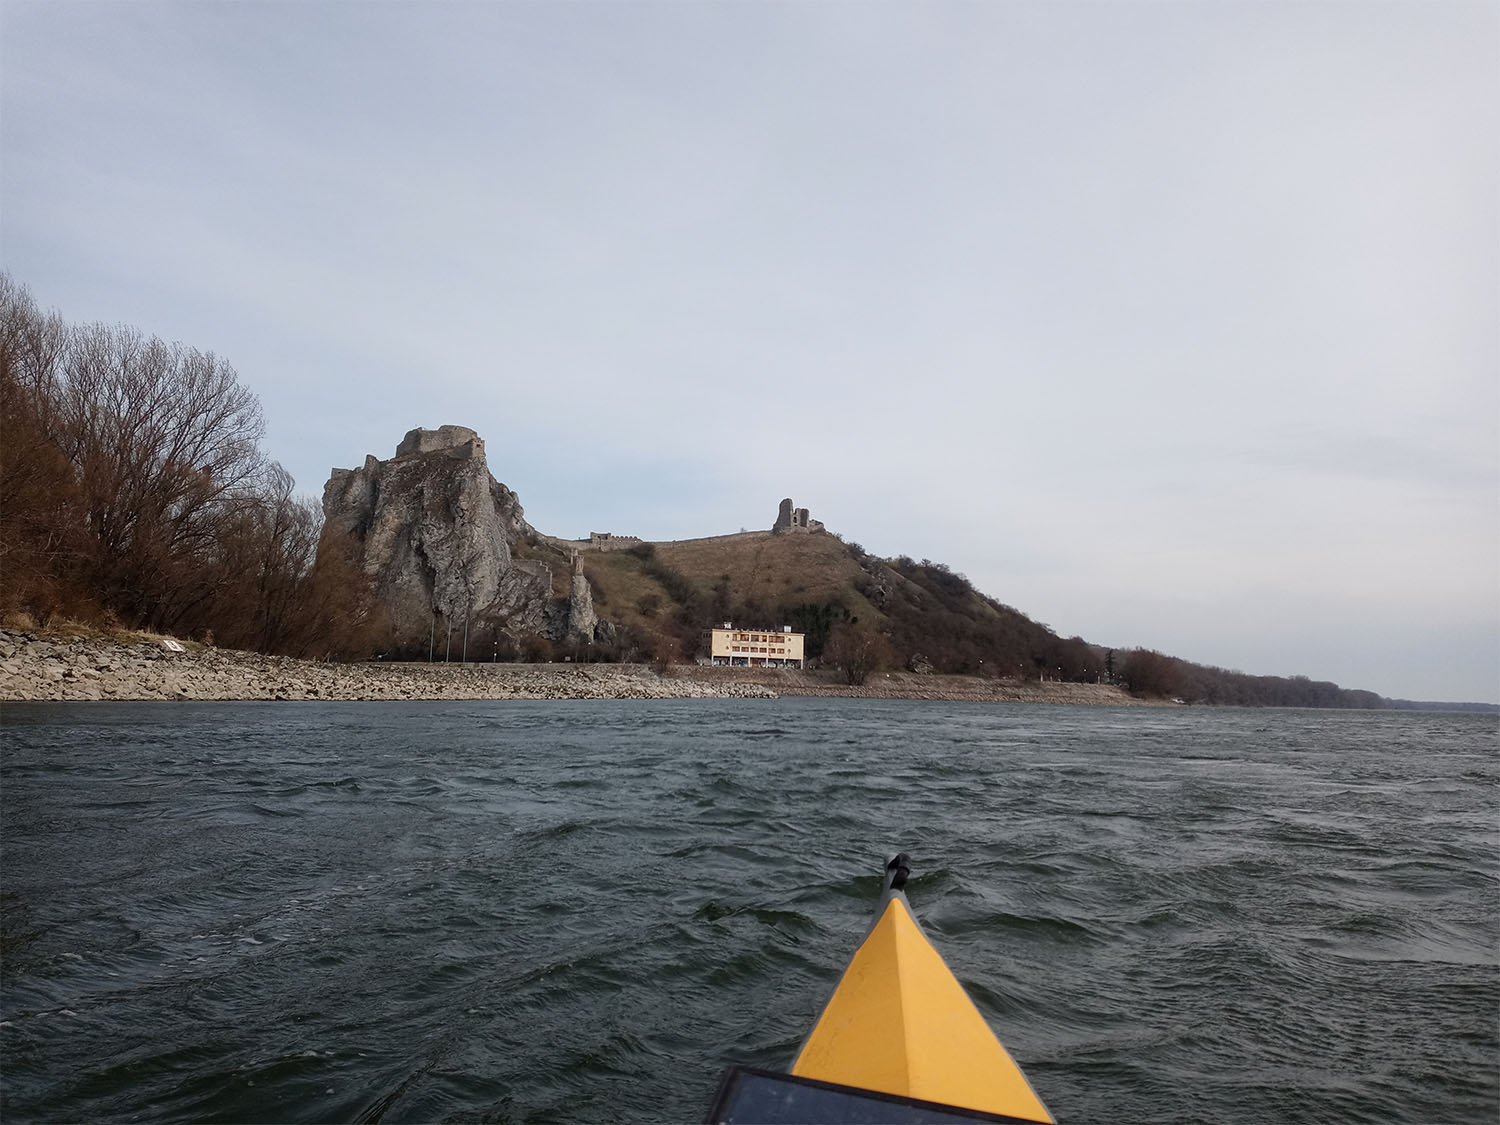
x: 794, y: 519
x: 606, y: 541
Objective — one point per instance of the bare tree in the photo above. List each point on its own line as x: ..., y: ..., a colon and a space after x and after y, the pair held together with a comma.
x: 1148, y: 672
x: 264, y: 553
x: 41, y: 546
x: 132, y: 485
x: 856, y: 650
x: 166, y: 446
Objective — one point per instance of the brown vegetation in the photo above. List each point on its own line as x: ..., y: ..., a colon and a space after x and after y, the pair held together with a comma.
x: 856, y: 651
x: 1152, y: 675
x: 135, y: 492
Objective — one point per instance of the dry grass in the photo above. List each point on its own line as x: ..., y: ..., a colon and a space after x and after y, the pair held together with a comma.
x: 621, y: 584
x: 69, y: 629
x: 776, y: 570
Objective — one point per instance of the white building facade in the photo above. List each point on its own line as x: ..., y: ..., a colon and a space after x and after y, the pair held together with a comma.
x: 756, y: 648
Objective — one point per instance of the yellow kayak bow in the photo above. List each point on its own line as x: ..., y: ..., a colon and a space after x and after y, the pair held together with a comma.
x: 899, y: 1041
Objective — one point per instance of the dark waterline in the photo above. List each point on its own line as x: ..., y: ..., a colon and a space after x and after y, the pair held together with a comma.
x: 540, y: 911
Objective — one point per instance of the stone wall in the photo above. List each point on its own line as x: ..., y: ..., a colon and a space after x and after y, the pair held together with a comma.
x: 608, y: 541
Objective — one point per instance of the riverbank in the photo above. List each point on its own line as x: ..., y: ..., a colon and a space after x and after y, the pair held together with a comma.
x: 144, y: 667
x: 60, y: 668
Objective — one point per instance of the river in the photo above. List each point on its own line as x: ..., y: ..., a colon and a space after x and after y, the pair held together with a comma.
x: 582, y: 911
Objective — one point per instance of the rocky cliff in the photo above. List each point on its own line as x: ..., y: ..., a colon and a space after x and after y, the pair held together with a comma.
x: 583, y: 622
x: 438, y: 534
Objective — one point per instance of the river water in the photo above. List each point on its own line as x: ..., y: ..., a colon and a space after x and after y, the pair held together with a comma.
x: 582, y: 911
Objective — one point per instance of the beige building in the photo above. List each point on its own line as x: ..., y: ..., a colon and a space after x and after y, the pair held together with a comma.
x: 757, y: 648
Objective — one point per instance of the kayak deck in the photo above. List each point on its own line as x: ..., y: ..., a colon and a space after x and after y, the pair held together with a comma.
x: 748, y: 1096
x: 899, y: 1041
x: 900, y: 1023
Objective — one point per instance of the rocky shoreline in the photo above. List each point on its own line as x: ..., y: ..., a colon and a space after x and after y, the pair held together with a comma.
x: 51, y: 668
x: 56, y: 668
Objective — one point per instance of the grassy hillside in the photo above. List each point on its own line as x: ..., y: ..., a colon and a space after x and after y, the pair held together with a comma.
x: 771, y: 573
x: 676, y: 591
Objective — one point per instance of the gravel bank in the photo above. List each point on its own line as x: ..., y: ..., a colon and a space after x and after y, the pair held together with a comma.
x: 42, y: 668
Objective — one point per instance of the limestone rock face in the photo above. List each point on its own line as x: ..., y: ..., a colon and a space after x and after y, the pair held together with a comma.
x: 583, y: 622
x: 435, y: 531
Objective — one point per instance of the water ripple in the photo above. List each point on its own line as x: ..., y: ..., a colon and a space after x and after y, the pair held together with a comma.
x: 562, y: 911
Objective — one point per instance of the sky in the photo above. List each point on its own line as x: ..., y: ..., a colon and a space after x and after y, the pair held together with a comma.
x: 1173, y: 325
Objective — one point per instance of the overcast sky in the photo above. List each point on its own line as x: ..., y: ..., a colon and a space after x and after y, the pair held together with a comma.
x: 1170, y: 324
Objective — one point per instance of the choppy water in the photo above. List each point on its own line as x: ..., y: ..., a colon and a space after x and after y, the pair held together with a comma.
x: 582, y: 911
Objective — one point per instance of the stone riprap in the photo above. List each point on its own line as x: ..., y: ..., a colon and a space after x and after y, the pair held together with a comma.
x: 41, y: 668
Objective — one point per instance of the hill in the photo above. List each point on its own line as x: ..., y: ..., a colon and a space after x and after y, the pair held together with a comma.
x: 663, y: 598
x: 934, y: 619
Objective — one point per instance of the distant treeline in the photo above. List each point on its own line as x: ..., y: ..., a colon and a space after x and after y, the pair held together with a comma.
x: 1145, y: 672
x: 136, y: 494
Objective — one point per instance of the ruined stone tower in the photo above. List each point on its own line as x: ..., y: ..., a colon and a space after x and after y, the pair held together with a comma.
x: 794, y: 519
